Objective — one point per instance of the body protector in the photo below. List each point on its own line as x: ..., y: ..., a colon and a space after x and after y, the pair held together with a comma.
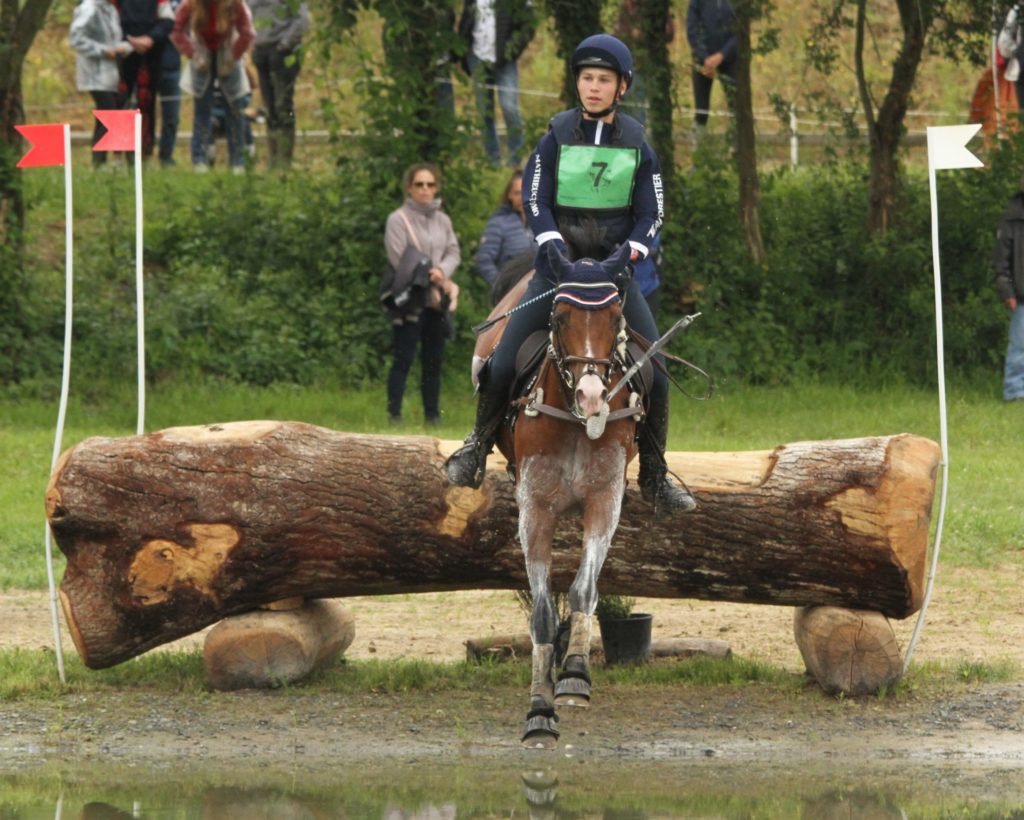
x: 596, y: 181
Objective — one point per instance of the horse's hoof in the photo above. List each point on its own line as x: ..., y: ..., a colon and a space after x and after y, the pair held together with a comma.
x: 541, y: 731
x: 574, y: 692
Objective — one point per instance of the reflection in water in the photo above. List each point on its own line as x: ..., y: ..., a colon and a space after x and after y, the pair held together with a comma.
x: 605, y: 790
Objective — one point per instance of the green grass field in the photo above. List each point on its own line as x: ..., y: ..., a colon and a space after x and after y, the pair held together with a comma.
x: 984, y: 518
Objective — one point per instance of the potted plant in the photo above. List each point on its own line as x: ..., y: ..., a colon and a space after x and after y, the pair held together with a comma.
x: 625, y: 635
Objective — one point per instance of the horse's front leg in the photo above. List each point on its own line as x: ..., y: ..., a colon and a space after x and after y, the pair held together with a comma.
x: 600, y: 520
x: 536, y: 530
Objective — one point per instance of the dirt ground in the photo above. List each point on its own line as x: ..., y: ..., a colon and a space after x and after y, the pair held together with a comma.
x: 975, y: 615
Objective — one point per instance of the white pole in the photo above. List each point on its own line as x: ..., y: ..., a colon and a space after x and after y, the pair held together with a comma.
x: 140, y: 426
x: 794, y: 140
x: 943, y: 438
x: 65, y: 382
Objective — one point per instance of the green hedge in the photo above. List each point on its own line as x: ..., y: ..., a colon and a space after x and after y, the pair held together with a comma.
x: 273, y: 278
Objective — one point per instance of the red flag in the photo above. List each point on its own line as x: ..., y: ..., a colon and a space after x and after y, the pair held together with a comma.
x: 46, y: 145
x: 120, y: 134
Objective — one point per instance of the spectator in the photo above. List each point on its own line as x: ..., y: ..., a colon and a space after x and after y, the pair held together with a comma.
x: 280, y: 25
x: 1008, y: 261
x: 98, y: 41
x: 506, y: 234
x: 169, y: 90
x: 147, y: 25
x: 214, y: 35
x: 496, y: 33
x: 709, y: 29
x: 420, y: 221
x: 627, y: 29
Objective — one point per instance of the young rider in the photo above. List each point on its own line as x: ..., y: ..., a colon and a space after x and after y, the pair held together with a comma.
x: 593, y: 163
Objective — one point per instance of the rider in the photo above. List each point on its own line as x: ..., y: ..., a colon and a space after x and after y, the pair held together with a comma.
x: 592, y: 164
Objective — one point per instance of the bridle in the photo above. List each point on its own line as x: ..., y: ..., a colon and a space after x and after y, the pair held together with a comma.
x: 592, y: 365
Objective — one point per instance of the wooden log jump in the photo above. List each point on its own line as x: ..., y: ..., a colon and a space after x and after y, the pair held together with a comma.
x: 169, y: 532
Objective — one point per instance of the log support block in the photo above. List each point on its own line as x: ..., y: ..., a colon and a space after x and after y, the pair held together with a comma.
x: 272, y: 647
x: 848, y: 652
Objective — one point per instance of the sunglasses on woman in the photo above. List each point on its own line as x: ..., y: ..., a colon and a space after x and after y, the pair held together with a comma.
x: 422, y: 184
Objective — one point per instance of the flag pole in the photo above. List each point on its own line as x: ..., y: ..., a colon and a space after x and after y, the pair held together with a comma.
x: 65, y: 382
x: 140, y: 425
x: 947, y: 148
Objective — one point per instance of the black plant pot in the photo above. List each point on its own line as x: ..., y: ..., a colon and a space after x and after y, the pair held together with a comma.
x: 626, y: 640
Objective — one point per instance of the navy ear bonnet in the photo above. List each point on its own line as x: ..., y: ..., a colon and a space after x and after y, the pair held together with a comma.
x: 587, y: 283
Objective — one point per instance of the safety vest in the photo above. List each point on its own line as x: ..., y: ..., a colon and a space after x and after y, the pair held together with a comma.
x: 596, y: 181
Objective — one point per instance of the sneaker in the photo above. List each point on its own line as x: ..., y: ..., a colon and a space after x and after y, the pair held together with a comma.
x: 238, y: 170
x: 201, y: 168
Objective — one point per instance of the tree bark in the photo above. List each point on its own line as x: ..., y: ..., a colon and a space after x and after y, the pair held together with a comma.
x: 653, y: 60
x: 167, y: 533
x: 848, y: 652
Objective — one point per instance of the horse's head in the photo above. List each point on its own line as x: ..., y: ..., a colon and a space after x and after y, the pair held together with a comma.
x: 586, y: 326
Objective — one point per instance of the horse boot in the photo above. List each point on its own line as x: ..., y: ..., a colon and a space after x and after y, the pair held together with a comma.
x: 467, y: 465
x: 541, y: 721
x: 657, y: 488
x: 573, y: 687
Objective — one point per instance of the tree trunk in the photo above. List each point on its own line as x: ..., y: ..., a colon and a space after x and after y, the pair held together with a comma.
x: 746, y: 139
x: 654, y: 62
x: 574, y: 20
x: 169, y: 532
x: 847, y: 652
x: 886, y: 129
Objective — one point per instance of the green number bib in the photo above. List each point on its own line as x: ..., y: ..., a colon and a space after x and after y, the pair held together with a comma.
x: 596, y: 177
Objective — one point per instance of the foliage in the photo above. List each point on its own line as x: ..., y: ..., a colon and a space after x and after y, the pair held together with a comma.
x: 614, y: 607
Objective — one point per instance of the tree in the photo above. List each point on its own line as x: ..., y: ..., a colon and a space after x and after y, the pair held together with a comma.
x: 956, y: 28
x: 20, y: 21
x: 747, y: 11
x: 574, y: 20
x: 653, y: 60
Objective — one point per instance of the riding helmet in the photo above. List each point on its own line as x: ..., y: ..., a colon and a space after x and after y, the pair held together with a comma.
x: 604, y: 51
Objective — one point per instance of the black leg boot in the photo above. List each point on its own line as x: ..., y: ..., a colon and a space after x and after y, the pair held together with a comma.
x: 656, y: 487
x: 466, y: 466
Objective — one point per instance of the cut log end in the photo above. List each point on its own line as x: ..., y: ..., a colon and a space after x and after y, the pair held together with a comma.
x: 848, y: 652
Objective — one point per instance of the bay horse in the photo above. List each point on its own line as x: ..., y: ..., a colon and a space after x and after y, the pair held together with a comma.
x: 570, y: 449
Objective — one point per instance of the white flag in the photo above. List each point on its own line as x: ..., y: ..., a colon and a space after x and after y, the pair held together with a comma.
x: 947, y: 147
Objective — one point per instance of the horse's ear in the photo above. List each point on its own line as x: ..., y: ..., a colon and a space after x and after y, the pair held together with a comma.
x: 617, y: 261
x: 559, y: 262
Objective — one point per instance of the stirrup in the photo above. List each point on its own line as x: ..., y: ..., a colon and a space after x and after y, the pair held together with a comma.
x: 466, y: 467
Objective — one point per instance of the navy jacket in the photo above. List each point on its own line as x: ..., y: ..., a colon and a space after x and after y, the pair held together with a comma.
x: 709, y: 28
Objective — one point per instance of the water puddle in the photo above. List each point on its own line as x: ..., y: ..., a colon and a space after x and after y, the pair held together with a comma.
x: 428, y: 790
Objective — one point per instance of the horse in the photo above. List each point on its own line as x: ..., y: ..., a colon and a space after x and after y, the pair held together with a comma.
x: 568, y: 448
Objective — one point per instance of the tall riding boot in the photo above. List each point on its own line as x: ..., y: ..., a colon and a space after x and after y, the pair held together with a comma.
x: 655, y: 485
x: 467, y: 465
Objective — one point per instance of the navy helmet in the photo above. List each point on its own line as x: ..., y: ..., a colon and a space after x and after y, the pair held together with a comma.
x: 604, y: 51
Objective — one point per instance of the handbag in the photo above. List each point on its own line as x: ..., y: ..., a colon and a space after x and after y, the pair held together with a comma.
x: 404, y: 288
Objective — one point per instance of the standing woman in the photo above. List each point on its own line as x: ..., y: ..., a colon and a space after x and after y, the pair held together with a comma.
x: 506, y: 234
x: 214, y: 35
x: 98, y: 42
x: 421, y: 222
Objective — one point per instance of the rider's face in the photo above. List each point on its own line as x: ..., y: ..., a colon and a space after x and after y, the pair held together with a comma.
x: 598, y: 88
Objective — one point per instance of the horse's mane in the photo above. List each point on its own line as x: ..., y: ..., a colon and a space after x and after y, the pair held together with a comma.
x: 583, y: 240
